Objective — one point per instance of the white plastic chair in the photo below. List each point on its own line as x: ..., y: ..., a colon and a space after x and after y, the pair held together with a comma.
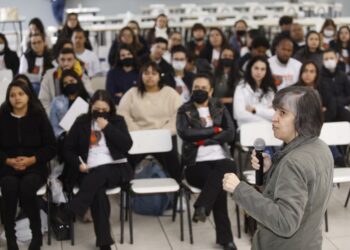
x: 147, y: 142
x: 337, y: 133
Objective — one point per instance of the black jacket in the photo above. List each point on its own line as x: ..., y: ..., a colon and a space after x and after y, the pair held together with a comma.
x: 31, y: 135
x: 11, y: 61
x: 31, y: 56
x: 191, y: 130
x: 77, y: 141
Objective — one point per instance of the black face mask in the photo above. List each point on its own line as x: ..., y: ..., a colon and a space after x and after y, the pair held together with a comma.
x: 199, y: 96
x: 70, y: 89
x: 227, y: 62
x: 241, y: 32
x: 97, y: 114
x: 127, y: 62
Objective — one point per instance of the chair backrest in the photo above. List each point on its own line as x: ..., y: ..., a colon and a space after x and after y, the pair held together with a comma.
x: 250, y: 131
x: 5, y: 80
x: 336, y: 133
x: 151, y: 141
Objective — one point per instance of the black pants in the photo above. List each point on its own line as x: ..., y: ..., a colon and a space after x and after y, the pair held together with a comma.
x: 92, y: 194
x: 21, y: 188
x: 169, y: 160
x: 208, y: 177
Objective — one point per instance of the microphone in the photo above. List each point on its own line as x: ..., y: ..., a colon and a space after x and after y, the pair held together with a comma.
x: 259, y: 146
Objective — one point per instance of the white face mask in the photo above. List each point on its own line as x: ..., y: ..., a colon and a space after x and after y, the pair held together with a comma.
x: 2, y: 46
x: 178, y: 65
x: 328, y: 33
x: 330, y: 64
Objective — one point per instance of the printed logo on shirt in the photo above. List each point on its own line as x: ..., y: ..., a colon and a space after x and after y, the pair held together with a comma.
x: 36, y: 70
x: 279, y: 79
x: 95, y: 138
x: 205, y: 120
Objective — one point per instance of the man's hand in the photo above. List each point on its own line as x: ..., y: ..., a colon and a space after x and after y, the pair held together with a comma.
x: 230, y: 182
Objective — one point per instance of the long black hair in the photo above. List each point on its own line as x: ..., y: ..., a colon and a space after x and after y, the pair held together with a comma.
x: 267, y: 83
x: 81, y: 89
x: 3, y: 37
x: 134, y: 56
x: 307, y: 50
x: 102, y: 95
x: 39, y: 24
x: 140, y: 84
x: 302, y: 69
x: 339, y: 44
x: 34, y: 105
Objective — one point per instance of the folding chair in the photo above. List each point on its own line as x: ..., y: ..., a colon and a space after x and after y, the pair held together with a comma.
x: 147, y: 142
x: 336, y: 134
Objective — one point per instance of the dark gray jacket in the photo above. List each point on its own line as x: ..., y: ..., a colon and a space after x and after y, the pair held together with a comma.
x: 296, y: 192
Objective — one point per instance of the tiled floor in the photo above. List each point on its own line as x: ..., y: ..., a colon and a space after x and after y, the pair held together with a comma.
x: 160, y: 233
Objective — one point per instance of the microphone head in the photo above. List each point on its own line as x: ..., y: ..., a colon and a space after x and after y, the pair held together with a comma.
x: 259, y: 144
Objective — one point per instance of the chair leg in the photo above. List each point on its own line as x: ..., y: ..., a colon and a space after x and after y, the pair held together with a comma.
x: 122, y: 217
x: 347, y: 199
x: 181, y: 216
x: 326, y: 220
x: 176, y: 195
x: 130, y: 219
x: 238, y: 221
x: 187, y: 198
x: 48, y: 215
x: 126, y: 205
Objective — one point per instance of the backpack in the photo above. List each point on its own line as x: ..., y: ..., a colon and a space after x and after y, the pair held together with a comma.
x: 154, y: 204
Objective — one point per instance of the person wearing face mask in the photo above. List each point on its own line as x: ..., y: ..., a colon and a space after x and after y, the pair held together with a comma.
x: 153, y: 105
x: 335, y: 83
x: 8, y: 58
x: 183, y: 78
x: 226, y: 77
x: 328, y: 33
x: 71, y: 87
x: 197, y: 43
x: 206, y: 127
x: 253, y: 96
x: 123, y: 75
x: 285, y: 69
x: 95, y: 150
x: 160, y: 29
x: 239, y: 38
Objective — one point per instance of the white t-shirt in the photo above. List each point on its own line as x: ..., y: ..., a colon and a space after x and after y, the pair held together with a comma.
x: 2, y: 62
x: 91, y: 61
x: 215, y: 55
x: 212, y: 152
x: 284, y: 74
x: 185, y: 94
x: 98, y: 152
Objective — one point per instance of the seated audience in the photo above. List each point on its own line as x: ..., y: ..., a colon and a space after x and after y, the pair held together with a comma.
x: 160, y: 29
x: 36, y: 61
x: 253, y: 96
x: 88, y: 57
x: 259, y: 47
x: 297, y: 35
x: 8, y: 58
x: 134, y: 25
x: 285, y: 69
x: 35, y: 27
x: 285, y: 23
x: 158, y: 49
x: 27, y: 144
x: 175, y: 39
x: 50, y: 85
x: 342, y: 46
x: 206, y: 127
x: 239, y: 38
x: 71, y: 88
x: 129, y: 38
x: 72, y: 23
x: 123, y: 75
x: 312, y: 49
x: 198, y: 42
x: 95, y: 151
x: 226, y: 77
x: 335, y: 83
x: 211, y: 52
x: 328, y: 33
x: 152, y: 105
x: 183, y: 77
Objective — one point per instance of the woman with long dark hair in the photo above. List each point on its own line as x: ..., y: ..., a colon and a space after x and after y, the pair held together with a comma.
x: 27, y: 144
x: 160, y: 29
x: 124, y: 73
x: 35, y: 26
x: 152, y: 105
x: 253, y: 96
x: 342, y: 47
x: 95, y: 151
x: 8, y: 58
